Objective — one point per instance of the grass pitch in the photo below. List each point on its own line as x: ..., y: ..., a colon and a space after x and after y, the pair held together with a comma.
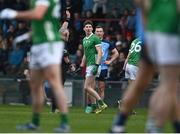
x: 80, y: 122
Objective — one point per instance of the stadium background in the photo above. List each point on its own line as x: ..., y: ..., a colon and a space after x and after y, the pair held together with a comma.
x: 116, y: 16
x: 118, y: 20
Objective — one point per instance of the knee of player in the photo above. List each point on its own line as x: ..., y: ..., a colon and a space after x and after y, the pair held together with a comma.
x: 101, y: 85
x: 87, y: 89
x: 101, y: 88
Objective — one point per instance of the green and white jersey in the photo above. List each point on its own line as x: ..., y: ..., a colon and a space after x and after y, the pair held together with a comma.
x: 163, y: 16
x: 90, y: 52
x: 134, y: 52
x: 46, y: 30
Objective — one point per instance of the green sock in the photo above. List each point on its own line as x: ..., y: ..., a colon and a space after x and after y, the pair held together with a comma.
x: 64, y: 118
x: 35, y: 119
x: 94, y: 106
x: 100, y: 102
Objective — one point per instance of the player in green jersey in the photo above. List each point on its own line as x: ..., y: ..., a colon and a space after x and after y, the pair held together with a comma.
x: 92, y: 58
x: 132, y: 60
x: 46, y: 55
x: 145, y: 74
x: 163, y: 47
x: 131, y: 63
x: 101, y: 76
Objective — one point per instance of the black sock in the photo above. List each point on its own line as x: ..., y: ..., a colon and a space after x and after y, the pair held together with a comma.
x: 121, y: 119
x: 89, y: 104
x: 176, y: 125
x: 54, y: 105
x: 53, y: 108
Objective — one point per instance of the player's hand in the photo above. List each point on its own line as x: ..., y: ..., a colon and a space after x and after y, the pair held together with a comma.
x: 95, y: 69
x: 107, y: 62
x: 68, y: 15
x: 8, y: 14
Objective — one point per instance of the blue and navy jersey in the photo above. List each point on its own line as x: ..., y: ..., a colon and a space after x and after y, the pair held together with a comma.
x: 106, y: 48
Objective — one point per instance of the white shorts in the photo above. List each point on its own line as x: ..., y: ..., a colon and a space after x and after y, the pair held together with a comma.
x: 163, y: 49
x: 89, y: 71
x: 45, y: 54
x: 131, y: 71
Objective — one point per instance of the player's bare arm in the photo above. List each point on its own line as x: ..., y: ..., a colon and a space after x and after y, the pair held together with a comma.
x: 35, y: 14
x: 178, y: 5
x: 66, y: 22
x: 146, y: 4
x: 115, y: 55
x: 125, y: 63
x: 64, y: 28
x: 83, y: 62
x: 99, y: 54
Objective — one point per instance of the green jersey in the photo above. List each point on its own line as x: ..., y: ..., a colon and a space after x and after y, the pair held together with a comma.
x: 134, y: 52
x: 163, y: 16
x: 46, y: 30
x: 90, y: 52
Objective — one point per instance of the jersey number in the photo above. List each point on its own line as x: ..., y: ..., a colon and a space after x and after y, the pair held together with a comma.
x: 135, y: 47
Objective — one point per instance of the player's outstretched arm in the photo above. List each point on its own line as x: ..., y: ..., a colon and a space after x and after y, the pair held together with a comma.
x: 66, y: 22
x: 64, y: 28
x: 35, y: 14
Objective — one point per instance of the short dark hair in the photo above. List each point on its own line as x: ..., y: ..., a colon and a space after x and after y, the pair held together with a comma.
x: 98, y: 26
x: 88, y: 22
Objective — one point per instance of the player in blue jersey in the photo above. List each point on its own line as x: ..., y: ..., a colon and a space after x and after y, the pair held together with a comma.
x: 105, y: 62
x: 107, y: 47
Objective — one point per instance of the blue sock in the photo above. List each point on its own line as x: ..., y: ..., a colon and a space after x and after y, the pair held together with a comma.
x: 121, y: 119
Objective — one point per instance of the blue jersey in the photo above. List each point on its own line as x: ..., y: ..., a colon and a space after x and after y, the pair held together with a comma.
x: 139, y: 25
x: 106, y: 47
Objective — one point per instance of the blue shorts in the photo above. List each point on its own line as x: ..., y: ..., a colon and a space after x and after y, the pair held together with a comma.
x: 103, y: 75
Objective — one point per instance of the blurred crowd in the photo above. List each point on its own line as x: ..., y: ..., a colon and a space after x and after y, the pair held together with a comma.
x: 119, y: 25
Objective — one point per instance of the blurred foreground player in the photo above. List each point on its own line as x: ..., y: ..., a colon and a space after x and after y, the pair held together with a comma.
x: 46, y: 55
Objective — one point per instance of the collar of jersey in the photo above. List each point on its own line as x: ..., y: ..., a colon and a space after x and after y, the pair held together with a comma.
x: 89, y: 36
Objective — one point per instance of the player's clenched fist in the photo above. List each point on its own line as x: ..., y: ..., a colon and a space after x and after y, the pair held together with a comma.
x: 8, y: 14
